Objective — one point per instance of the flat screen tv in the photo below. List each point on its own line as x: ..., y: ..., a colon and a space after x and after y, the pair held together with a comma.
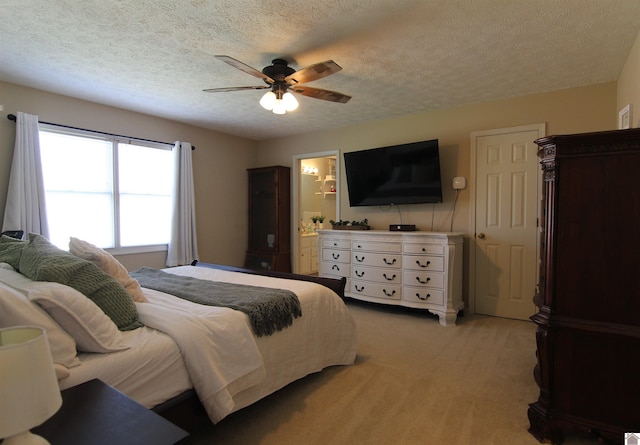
x: 394, y: 175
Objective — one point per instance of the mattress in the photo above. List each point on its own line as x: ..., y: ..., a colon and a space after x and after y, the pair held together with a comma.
x: 151, y: 371
x: 324, y: 336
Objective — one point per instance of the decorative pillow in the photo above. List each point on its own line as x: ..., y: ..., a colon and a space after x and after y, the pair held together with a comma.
x: 6, y: 266
x: 42, y: 261
x: 17, y: 310
x: 11, y: 250
x: 62, y: 372
x: 105, y: 261
x: 92, y: 330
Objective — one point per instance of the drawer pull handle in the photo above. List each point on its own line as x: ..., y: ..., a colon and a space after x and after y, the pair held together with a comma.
x: 359, y: 274
x: 420, y: 297
x: 424, y: 249
x: 393, y: 261
x: 387, y: 278
x: 335, y: 256
x: 359, y: 260
x: 335, y: 244
x: 359, y: 289
x: 335, y: 267
x: 423, y: 282
x: 426, y: 265
x: 389, y: 294
x: 359, y: 246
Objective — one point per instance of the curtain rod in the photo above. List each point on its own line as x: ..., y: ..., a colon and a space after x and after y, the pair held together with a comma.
x: 12, y: 117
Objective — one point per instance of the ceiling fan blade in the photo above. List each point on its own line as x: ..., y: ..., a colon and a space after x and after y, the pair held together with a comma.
x: 313, y: 72
x: 317, y: 93
x: 224, y: 90
x: 246, y: 68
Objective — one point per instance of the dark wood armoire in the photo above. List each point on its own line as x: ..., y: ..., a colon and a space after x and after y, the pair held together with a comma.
x: 588, y: 324
x: 269, y: 219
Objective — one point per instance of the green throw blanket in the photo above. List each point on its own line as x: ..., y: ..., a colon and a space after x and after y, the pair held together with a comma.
x: 269, y: 310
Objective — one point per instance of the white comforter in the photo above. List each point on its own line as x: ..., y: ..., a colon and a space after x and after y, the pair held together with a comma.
x: 229, y: 367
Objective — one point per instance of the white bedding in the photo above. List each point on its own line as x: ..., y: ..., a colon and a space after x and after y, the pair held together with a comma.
x: 211, y: 349
x: 141, y: 372
x: 228, y: 366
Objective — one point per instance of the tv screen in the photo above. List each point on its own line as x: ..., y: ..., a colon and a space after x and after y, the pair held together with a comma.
x: 395, y: 175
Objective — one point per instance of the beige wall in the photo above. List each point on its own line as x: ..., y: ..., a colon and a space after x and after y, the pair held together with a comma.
x: 629, y: 84
x: 220, y: 162
x: 576, y: 110
x: 591, y: 108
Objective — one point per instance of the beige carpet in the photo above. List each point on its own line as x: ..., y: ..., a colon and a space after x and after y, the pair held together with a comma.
x: 414, y: 382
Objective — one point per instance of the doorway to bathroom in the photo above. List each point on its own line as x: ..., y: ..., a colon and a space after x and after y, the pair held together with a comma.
x: 315, y: 202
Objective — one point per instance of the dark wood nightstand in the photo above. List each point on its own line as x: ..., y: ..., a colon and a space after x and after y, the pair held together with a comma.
x: 97, y: 414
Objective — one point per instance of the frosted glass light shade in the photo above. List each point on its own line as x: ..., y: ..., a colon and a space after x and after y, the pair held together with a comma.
x: 29, y: 392
x: 279, y: 103
x: 268, y: 100
x: 289, y: 101
x: 278, y: 107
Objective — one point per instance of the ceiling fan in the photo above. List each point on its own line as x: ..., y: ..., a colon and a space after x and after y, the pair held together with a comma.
x: 280, y: 78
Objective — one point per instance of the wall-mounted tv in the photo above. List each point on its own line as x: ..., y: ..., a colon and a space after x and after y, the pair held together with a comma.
x: 394, y: 175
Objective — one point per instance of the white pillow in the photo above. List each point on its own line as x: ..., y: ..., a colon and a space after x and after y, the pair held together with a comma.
x: 91, y: 328
x: 62, y: 372
x: 105, y: 261
x: 17, y: 310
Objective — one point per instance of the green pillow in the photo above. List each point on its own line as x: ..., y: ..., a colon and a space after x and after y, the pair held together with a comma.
x: 42, y: 261
x: 11, y: 250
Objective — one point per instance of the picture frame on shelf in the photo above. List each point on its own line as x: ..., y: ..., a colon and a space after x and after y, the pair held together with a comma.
x: 625, y: 118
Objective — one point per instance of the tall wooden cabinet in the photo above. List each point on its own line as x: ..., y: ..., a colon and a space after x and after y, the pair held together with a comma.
x: 588, y: 324
x: 269, y: 219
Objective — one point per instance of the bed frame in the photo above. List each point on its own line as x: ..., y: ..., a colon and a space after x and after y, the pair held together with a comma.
x: 336, y: 285
x: 185, y: 410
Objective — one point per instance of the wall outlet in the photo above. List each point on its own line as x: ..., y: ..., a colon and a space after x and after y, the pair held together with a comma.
x: 459, y: 182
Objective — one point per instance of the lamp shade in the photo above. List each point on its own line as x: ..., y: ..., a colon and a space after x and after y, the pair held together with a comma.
x: 29, y: 392
x: 289, y: 101
x: 268, y: 100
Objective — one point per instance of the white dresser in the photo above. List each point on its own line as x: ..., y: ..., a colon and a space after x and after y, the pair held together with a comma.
x: 415, y: 269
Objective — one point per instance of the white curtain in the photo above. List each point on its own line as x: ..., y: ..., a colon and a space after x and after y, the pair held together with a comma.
x: 183, y: 246
x: 25, y: 208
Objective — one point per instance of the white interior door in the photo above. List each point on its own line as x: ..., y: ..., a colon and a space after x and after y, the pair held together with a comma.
x: 507, y: 182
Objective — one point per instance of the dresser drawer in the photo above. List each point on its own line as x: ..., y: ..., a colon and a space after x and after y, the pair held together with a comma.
x: 423, y: 248
x: 417, y: 262
x: 424, y: 278
x: 337, y: 243
x: 337, y: 269
x: 335, y: 255
x: 376, y: 290
x: 376, y: 274
x: 377, y: 259
x: 423, y: 295
x: 377, y: 247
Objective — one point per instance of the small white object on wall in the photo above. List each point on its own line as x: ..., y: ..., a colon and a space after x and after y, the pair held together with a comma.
x: 459, y: 182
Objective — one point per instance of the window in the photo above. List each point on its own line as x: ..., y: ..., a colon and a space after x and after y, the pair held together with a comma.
x: 110, y: 191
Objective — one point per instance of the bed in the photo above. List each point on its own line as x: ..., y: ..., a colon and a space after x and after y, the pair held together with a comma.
x: 175, y: 347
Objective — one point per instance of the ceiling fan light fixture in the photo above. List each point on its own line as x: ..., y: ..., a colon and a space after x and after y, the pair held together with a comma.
x: 289, y: 101
x: 278, y: 102
x: 279, y: 107
x: 268, y: 101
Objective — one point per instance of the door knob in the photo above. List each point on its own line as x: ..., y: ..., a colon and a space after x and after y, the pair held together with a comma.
x: 481, y: 235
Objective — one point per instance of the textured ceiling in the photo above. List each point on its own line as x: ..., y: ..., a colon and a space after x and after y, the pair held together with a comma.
x: 398, y: 56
